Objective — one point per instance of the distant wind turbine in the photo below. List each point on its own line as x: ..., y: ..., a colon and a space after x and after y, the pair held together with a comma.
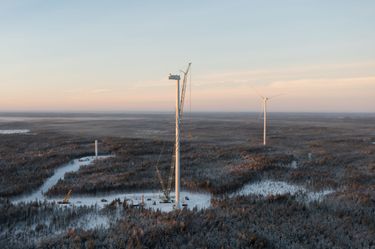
x: 265, y: 100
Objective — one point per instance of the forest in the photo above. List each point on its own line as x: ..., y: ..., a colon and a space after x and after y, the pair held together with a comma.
x: 243, y: 222
x: 330, y: 154
x: 27, y: 160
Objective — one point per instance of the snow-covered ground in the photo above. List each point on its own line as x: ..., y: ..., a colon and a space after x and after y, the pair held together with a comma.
x: 152, y: 199
x: 58, y: 174
x: 294, y: 164
x: 318, y: 196
x: 92, y: 221
x: 7, y: 132
x: 270, y: 187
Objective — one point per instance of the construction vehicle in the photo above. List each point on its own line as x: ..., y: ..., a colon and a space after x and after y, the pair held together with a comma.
x: 66, y: 198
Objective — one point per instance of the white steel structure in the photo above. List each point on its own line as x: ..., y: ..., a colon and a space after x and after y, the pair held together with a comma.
x: 180, y: 99
x: 96, y: 148
x: 177, y: 143
x: 265, y: 99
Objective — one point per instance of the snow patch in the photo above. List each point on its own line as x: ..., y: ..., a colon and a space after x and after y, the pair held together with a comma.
x: 93, y: 221
x: 8, y: 132
x: 268, y: 187
x: 72, y: 166
x: 294, y: 164
x: 318, y: 196
x: 271, y: 188
x: 152, y: 199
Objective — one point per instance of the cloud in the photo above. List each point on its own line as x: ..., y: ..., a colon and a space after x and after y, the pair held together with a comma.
x: 101, y: 90
x: 346, y: 87
x: 267, y: 77
x: 72, y: 91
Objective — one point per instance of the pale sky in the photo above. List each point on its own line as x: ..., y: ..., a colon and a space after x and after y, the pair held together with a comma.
x: 92, y: 55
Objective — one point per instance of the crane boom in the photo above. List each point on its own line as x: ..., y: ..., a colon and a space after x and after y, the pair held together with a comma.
x: 183, y: 93
x: 179, y: 113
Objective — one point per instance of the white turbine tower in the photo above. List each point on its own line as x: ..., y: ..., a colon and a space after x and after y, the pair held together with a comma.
x: 96, y: 148
x: 180, y: 98
x: 265, y: 101
x: 177, y: 142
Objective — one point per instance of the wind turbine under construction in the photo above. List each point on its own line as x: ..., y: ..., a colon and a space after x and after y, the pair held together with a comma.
x: 180, y: 99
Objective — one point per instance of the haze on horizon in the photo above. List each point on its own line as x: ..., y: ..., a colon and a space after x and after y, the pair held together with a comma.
x: 116, y: 55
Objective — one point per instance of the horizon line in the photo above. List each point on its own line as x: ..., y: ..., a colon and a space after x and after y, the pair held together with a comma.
x: 165, y: 112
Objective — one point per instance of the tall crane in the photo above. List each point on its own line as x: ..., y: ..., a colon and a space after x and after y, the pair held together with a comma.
x: 175, y: 166
x: 183, y: 91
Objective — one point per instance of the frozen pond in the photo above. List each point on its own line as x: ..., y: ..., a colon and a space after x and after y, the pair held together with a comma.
x: 152, y: 199
x: 7, y: 132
